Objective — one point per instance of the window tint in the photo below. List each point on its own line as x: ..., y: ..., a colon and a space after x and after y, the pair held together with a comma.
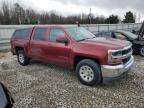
x: 105, y: 34
x: 55, y: 32
x: 22, y: 33
x: 40, y: 33
x: 108, y: 34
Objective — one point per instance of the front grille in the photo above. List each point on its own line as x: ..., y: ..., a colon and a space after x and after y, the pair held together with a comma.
x: 123, y: 54
x: 126, y: 59
x: 126, y: 51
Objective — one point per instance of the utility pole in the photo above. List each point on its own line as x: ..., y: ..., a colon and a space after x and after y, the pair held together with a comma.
x: 90, y: 16
x: 18, y: 11
x: 139, y: 18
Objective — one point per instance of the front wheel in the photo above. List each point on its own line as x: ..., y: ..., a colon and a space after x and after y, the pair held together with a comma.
x: 88, y: 72
x: 22, y: 58
x: 142, y: 51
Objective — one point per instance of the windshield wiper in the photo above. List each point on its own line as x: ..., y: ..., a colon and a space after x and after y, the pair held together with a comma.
x: 86, y: 39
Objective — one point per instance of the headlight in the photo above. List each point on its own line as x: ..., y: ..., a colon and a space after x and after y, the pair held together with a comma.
x: 111, y: 59
x: 118, y: 53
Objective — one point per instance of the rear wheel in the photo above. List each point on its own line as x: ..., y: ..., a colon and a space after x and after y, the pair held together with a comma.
x: 88, y: 72
x: 142, y: 51
x: 22, y: 58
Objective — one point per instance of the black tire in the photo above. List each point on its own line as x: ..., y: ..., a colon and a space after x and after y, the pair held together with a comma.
x: 21, y: 55
x: 96, y: 79
x: 142, y: 51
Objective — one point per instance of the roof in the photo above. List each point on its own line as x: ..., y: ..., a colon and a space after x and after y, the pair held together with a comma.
x: 64, y: 26
x: 31, y: 26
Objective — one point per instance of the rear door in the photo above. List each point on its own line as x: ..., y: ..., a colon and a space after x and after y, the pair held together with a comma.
x: 38, y: 43
x: 58, y: 53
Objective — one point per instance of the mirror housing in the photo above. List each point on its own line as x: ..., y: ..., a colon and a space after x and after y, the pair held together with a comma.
x: 62, y: 40
x: 6, y: 100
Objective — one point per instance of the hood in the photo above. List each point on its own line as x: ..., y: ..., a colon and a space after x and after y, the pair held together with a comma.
x: 140, y: 41
x: 109, y: 43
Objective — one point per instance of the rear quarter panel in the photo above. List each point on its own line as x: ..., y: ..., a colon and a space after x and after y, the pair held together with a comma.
x: 20, y: 42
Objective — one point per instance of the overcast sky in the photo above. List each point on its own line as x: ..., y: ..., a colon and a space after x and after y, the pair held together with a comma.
x: 99, y: 7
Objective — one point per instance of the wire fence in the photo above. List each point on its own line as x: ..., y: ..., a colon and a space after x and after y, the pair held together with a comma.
x: 108, y: 27
x: 6, y: 31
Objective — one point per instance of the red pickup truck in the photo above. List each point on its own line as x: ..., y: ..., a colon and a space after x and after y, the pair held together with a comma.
x: 94, y: 59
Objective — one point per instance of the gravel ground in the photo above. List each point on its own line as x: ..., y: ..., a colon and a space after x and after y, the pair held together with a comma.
x: 2, y: 55
x: 41, y: 85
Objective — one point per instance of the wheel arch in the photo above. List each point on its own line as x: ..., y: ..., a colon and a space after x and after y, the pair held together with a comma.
x: 78, y: 58
x: 17, y: 48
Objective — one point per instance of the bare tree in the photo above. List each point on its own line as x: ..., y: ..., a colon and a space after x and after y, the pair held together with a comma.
x: 1, y: 17
x: 16, y: 14
x: 6, y: 13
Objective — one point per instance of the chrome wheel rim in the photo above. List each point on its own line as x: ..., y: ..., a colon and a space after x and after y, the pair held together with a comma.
x: 86, y: 73
x: 142, y: 51
x: 21, y: 58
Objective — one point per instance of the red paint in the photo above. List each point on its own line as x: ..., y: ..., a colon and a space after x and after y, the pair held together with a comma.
x: 64, y: 54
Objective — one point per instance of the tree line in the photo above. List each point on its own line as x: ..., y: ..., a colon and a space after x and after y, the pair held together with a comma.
x: 16, y: 14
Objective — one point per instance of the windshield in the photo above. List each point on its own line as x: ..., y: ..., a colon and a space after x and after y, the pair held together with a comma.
x: 79, y: 33
x: 131, y: 35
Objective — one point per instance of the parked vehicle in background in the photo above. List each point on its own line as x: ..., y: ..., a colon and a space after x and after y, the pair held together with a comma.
x: 94, y: 59
x: 141, y: 31
x: 136, y: 32
x: 137, y: 42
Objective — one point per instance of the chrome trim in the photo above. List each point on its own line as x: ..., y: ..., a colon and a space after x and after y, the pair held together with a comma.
x: 125, y: 48
x: 123, y: 56
x: 120, y: 50
x: 115, y: 71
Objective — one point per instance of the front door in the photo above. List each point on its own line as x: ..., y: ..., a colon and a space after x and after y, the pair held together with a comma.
x: 58, y: 53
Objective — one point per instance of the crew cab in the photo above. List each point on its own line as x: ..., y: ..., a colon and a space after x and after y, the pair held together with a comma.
x: 94, y: 59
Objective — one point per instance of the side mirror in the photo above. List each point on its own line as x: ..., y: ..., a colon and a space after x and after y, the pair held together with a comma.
x: 62, y: 40
x: 6, y: 100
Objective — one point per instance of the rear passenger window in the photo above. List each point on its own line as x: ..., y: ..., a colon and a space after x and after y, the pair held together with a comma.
x: 108, y: 34
x: 22, y: 33
x: 40, y: 33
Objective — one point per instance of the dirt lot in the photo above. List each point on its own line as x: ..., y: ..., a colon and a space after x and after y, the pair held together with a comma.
x: 41, y: 85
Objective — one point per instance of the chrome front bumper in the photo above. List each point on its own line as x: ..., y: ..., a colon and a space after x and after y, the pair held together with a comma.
x: 114, y: 72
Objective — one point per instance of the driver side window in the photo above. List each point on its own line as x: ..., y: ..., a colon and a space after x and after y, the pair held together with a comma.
x: 56, y: 32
